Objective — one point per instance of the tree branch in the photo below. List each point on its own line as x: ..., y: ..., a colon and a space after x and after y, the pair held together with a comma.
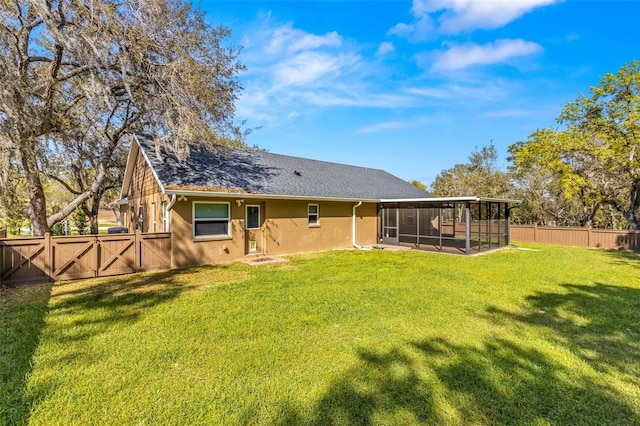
x: 63, y: 183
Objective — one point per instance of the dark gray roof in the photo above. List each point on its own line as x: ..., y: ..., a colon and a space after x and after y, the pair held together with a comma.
x: 273, y: 174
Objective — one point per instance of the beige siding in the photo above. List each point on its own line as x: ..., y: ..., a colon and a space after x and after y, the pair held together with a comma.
x: 143, y: 192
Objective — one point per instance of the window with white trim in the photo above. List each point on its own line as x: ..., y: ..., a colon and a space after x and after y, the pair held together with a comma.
x: 141, y: 218
x: 165, y: 217
x: 313, y: 213
x: 252, y: 220
x: 153, y: 217
x: 211, y: 219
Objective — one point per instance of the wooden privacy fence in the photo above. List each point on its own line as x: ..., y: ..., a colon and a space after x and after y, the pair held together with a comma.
x: 85, y: 256
x: 581, y: 237
x: 3, y: 232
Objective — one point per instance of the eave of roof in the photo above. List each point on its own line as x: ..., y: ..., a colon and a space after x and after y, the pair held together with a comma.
x: 131, y: 160
x: 204, y: 193
x: 472, y: 199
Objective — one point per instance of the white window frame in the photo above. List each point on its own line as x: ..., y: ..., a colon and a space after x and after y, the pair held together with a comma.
x: 141, y: 218
x: 194, y: 220
x: 316, y: 214
x: 246, y: 216
x: 153, y: 217
x: 165, y: 216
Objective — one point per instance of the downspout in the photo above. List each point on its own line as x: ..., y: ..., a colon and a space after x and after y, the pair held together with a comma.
x: 174, y: 198
x: 353, y: 226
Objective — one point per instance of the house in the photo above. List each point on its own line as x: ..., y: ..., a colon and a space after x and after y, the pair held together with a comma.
x: 225, y: 204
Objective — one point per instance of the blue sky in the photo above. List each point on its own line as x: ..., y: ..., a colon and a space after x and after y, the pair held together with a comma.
x: 415, y: 87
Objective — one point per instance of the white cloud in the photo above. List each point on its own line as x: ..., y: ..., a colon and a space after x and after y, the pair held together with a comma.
x: 353, y: 96
x: 383, y: 127
x: 293, y: 73
x: 384, y: 49
x: 293, y: 70
x: 421, y: 29
x: 467, y: 55
x: 506, y: 113
x: 484, y: 91
x: 308, y: 67
x: 454, y: 16
x: 290, y: 40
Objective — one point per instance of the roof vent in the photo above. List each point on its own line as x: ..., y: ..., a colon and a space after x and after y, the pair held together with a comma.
x: 297, y: 173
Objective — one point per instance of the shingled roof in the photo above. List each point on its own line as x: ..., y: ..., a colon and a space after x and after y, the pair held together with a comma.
x: 263, y: 173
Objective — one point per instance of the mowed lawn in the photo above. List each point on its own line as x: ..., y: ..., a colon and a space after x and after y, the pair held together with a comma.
x: 543, y: 336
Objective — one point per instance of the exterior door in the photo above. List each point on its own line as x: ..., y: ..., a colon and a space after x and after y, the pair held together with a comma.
x: 253, y: 229
x: 390, y: 226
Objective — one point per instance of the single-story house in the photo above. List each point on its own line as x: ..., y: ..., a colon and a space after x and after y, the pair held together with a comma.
x: 224, y: 204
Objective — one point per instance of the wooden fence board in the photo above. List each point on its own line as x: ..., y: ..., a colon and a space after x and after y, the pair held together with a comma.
x: 84, y: 256
x: 610, y: 239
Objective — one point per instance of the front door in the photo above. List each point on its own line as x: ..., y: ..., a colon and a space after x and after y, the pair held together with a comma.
x: 390, y: 226
x: 253, y: 229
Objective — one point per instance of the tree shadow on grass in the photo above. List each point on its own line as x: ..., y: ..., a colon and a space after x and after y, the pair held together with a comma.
x: 381, y: 384
x: 93, y: 306
x: 504, y: 382
x: 599, y: 323
x: 22, y: 317
x: 623, y: 257
x: 504, y: 379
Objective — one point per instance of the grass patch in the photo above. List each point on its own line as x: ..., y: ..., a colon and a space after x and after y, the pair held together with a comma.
x: 549, y: 336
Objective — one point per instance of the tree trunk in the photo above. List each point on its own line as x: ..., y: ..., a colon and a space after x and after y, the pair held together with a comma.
x: 37, y: 200
x: 631, y: 214
x: 94, y: 212
x: 632, y: 218
x: 91, y: 193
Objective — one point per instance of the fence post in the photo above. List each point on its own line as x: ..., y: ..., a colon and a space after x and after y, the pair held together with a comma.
x: 48, y: 256
x: 535, y: 232
x: 589, y: 236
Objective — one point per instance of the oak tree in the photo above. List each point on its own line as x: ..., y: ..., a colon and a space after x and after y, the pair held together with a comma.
x: 596, y: 153
x: 77, y: 77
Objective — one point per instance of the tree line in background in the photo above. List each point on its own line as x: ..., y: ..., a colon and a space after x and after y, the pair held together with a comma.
x: 584, y: 173
x: 78, y: 78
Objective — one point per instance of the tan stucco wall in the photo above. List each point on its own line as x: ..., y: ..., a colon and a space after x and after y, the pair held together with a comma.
x: 287, y: 229
x: 284, y: 230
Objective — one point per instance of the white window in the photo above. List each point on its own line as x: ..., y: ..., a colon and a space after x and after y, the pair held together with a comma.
x: 141, y: 218
x: 165, y: 217
x: 153, y: 216
x: 313, y: 213
x: 252, y: 220
x: 211, y: 220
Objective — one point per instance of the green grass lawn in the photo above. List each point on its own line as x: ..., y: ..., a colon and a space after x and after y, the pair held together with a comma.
x: 544, y: 336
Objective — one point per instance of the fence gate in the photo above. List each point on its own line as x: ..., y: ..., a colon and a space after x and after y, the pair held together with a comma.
x: 74, y: 257
x: 117, y: 255
x: 84, y: 256
x: 24, y: 260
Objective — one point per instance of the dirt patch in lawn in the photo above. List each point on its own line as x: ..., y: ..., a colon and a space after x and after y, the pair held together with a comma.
x: 264, y: 260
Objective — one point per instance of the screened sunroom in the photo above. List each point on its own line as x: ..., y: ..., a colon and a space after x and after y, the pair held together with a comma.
x: 465, y: 225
